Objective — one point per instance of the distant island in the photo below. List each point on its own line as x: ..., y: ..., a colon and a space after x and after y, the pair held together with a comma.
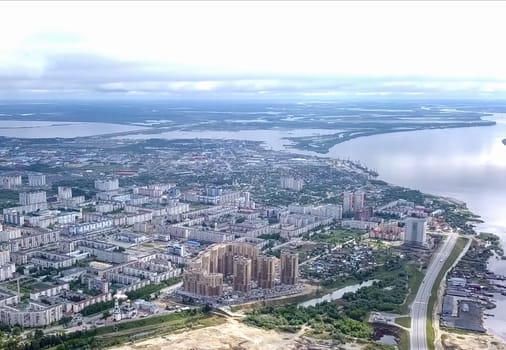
x: 504, y: 142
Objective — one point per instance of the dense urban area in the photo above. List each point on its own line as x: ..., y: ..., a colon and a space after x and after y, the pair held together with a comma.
x: 107, y: 241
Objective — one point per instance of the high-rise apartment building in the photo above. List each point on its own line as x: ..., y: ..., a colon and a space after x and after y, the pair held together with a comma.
x: 266, y: 272
x: 353, y: 201
x: 358, y: 201
x: 289, y: 268
x: 202, y: 283
x: 107, y: 185
x: 414, y: 231
x: 242, y: 274
x: 10, y: 181
x: 64, y: 192
x: 347, y: 202
x: 36, y: 180
x: 27, y: 198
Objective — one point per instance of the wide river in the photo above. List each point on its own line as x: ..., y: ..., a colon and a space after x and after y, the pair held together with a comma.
x: 465, y: 163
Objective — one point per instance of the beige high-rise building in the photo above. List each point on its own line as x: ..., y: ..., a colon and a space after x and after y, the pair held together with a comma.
x: 289, y: 268
x: 238, y: 260
x: 246, y: 250
x: 242, y: 274
x: 202, y: 283
x: 266, y: 271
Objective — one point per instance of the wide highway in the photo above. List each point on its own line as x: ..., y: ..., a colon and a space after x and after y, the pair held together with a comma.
x: 418, y: 336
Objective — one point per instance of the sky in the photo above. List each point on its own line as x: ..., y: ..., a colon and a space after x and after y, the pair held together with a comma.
x: 256, y: 49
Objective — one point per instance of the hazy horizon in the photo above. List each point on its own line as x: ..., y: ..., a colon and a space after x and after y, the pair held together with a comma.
x: 319, y: 50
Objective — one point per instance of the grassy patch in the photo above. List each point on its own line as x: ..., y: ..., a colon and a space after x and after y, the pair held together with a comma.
x: 403, y: 321
x: 8, y: 198
x: 459, y: 246
x: 403, y: 340
x: 415, y: 278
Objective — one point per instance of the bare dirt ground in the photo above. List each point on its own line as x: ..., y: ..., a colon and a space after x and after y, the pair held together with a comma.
x: 232, y: 335
x: 455, y: 341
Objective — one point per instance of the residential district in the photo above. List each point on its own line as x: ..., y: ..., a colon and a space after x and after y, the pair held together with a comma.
x: 101, y: 232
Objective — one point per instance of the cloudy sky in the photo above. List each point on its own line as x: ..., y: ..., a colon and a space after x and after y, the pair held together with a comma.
x: 326, y: 49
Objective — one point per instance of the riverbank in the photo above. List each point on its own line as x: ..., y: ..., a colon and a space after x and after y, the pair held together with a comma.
x: 323, y: 143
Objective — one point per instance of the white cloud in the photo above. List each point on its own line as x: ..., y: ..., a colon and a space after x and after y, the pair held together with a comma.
x: 260, y: 44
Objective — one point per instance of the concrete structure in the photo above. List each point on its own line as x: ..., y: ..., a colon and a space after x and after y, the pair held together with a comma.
x: 347, y: 202
x: 103, y: 251
x: 8, y: 233
x: 358, y: 201
x: 47, y: 290
x: 34, y: 239
x: 202, y: 283
x: 291, y: 183
x: 326, y: 210
x: 107, y: 185
x: 176, y: 249
x: 32, y: 314
x: 388, y: 231
x: 358, y: 224
x: 64, y: 192
x: 289, y: 268
x: 242, y: 262
x: 130, y: 237
x: 36, y: 180
x: 87, y: 227
x: 27, y: 198
x: 10, y: 181
x: 46, y: 260
x: 7, y: 298
x: 414, y: 232
x: 13, y: 217
x: 7, y: 268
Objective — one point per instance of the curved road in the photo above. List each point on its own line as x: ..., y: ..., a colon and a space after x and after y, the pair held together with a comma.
x: 418, y: 336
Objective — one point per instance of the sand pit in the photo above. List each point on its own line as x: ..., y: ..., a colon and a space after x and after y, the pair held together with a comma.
x: 232, y: 335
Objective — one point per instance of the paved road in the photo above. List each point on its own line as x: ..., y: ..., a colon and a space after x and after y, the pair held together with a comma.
x: 418, y: 337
